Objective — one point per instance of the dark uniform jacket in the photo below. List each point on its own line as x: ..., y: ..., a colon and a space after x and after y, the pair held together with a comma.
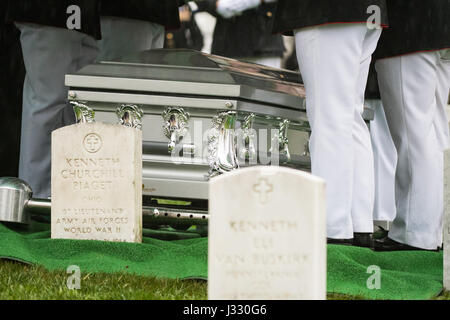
x: 247, y: 35
x: 188, y: 36
x: 414, y: 26
x: 163, y: 12
x: 54, y: 12
x: 296, y: 14
x: 3, y: 6
x: 12, y: 77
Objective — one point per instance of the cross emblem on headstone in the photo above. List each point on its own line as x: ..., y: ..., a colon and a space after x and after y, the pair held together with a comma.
x: 263, y: 188
x: 92, y: 143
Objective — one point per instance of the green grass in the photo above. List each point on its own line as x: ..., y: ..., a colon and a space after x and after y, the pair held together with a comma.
x: 20, y: 281
x: 444, y: 296
x: 28, y: 282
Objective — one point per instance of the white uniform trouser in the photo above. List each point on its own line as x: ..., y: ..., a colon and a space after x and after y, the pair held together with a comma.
x: 414, y: 89
x: 273, y: 62
x: 49, y: 54
x: 121, y: 37
x: 334, y: 62
x: 385, y: 161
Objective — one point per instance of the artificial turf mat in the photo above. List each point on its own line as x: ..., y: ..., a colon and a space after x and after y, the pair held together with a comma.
x: 404, y: 275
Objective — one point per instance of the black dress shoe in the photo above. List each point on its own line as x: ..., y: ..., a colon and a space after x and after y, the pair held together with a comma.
x: 364, y: 240
x: 344, y: 242
x: 387, y: 244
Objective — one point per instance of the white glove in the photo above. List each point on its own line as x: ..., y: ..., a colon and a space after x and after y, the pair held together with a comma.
x: 231, y: 8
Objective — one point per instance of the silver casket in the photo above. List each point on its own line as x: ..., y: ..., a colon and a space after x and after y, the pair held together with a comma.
x: 203, y: 115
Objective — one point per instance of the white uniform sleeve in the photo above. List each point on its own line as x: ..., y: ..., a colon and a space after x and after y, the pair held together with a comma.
x: 231, y: 8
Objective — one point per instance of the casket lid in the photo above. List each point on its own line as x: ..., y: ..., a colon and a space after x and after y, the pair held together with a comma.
x: 189, y: 72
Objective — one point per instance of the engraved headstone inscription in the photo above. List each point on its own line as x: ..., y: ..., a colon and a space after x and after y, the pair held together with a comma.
x: 97, y: 183
x: 267, y: 235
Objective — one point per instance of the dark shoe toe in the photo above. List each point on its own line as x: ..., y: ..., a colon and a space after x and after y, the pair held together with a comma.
x: 364, y: 240
x: 345, y: 242
x: 388, y: 244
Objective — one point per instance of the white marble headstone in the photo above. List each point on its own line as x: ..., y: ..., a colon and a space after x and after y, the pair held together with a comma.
x: 267, y: 235
x: 447, y: 220
x: 97, y: 183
